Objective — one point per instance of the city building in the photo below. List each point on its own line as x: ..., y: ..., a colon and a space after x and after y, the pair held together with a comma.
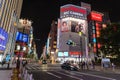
x: 10, y: 11
x: 74, y: 27
x: 51, y: 45
x: 24, y: 38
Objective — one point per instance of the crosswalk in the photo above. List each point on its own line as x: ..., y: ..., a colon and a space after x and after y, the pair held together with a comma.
x: 43, y: 67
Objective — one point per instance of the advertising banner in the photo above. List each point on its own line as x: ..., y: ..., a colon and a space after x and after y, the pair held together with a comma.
x: 64, y: 26
x: 58, y: 32
x: 64, y: 37
x: 22, y: 37
x: 63, y: 54
x: 3, y: 39
x: 75, y: 54
x: 79, y: 26
x: 95, y: 16
x: 73, y: 11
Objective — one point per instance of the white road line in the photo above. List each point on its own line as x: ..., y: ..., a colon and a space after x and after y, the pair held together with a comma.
x: 53, y: 75
x: 96, y: 76
x: 72, y: 73
x: 70, y: 76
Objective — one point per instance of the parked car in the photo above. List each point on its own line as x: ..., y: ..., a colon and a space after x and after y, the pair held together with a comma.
x: 68, y: 66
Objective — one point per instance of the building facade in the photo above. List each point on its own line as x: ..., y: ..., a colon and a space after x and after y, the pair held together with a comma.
x: 10, y: 11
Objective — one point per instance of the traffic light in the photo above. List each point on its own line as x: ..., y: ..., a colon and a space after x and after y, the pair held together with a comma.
x: 70, y: 42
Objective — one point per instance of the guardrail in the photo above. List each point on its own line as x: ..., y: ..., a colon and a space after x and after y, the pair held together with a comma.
x: 26, y: 75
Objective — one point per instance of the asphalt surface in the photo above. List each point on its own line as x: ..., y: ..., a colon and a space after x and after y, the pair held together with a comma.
x: 54, y: 72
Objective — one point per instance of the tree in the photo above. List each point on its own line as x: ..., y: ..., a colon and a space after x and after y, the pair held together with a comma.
x: 110, y: 39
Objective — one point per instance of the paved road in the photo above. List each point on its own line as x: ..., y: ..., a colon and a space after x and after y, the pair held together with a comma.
x: 54, y: 72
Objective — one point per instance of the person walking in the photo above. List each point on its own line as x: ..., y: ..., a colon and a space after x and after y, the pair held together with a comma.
x: 93, y: 64
x: 8, y: 64
x: 113, y: 66
x: 18, y: 63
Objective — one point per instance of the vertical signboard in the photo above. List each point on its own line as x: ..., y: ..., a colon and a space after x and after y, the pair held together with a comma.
x: 58, y: 33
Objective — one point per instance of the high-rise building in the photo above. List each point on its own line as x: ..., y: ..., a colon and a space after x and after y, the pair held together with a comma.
x: 73, y: 27
x: 10, y: 11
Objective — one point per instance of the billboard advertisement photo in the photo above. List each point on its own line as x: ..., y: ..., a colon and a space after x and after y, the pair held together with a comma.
x: 64, y: 26
x: 79, y: 26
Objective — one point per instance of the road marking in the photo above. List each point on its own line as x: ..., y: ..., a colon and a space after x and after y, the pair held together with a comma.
x: 53, y: 74
x: 72, y: 73
x: 70, y: 76
x: 96, y: 76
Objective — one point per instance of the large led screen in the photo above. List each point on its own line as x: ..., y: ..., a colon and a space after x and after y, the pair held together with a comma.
x: 63, y: 54
x: 3, y: 39
x: 22, y: 37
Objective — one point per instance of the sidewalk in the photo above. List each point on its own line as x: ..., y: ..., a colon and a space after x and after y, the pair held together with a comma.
x: 5, y: 74
x: 109, y: 70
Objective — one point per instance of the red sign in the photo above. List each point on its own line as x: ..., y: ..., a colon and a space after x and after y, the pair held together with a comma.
x: 73, y: 11
x: 73, y: 8
x: 96, y: 16
x: 75, y: 53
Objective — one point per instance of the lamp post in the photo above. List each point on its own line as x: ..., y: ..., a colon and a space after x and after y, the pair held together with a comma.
x: 80, y: 34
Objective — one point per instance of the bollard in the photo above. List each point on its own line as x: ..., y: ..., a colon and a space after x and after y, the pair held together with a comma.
x: 31, y: 77
x: 25, y: 75
x: 28, y: 77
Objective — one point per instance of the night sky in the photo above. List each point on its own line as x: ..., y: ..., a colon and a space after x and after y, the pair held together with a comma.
x: 42, y: 12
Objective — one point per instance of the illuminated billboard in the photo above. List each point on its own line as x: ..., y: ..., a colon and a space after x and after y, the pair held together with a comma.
x: 65, y: 26
x: 75, y: 54
x: 95, y: 16
x: 22, y: 37
x: 64, y: 37
x: 73, y: 25
x: 63, y: 54
x: 3, y: 39
x: 73, y: 11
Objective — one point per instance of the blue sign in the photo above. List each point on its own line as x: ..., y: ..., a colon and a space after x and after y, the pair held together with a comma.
x: 3, y: 39
x: 22, y: 37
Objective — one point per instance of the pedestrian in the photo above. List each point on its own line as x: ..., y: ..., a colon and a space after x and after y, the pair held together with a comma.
x: 18, y: 63
x: 83, y: 65
x: 86, y: 64
x: 3, y: 62
x: 93, y: 64
x: 8, y: 66
x: 113, y: 66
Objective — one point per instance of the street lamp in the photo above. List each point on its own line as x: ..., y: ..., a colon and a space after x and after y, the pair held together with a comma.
x: 80, y: 34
